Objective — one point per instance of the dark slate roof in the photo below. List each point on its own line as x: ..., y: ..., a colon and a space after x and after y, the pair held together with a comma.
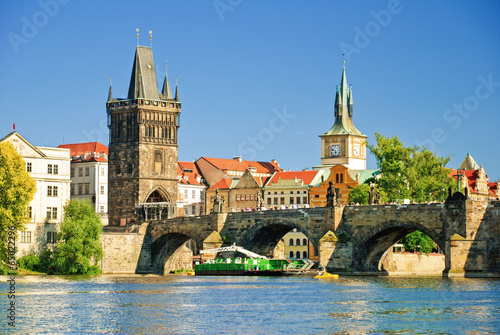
x: 143, y: 80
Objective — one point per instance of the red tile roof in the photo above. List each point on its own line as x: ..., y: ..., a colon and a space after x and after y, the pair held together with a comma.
x: 305, y: 176
x: 188, y: 174
x: 223, y: 184
x: 236, y: 165
x: 87, y: 152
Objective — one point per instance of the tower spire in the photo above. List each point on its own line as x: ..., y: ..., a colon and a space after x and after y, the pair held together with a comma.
x: 176, y: 90
x: 110, y: 94
x: 167, y: 93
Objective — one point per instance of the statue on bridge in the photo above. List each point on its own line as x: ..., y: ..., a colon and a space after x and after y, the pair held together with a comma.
x: 338, y: 195
x: 374, y: 196
x: 330, y: 195
x: 258, y: 200
x: 218, y: 203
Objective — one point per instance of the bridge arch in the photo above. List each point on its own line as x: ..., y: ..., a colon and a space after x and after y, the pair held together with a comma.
x: 263, y: 236
x: 165, y: 249
x: 370, y: 249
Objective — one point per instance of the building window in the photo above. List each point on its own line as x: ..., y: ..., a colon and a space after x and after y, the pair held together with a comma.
x: 54, y: 191
x: 72, y: 189
x: 298, y: 241
x: 341, y: 178
x: 51, y: 237
x: 49, y: 168
x: 251, y: 197
x: 291, y: 200
x: 276, y: 201
x: 55, y: 169
x: 51, y: 213
x: 185, y: 194
x: 268, y: 201
x: 297, y: 254
x: 28, y: 167
x: 290, y: 242
x: 102, y: 189
x: 193, y: 194
x: 72, y: 172
x: 237, y: 197
x: 80, y: 189
x: 102, y: 171
x: 298, y: 200
x: 282, y: 200
x: 25, y: 237
x: 30, y: 212
x: 291, y: 192
x: 304, y: 254
x: 102, y: 209
x: 304, y: 241
x: 49, y: 191
x: 291, y: 254
x: 80, y: 172
x: 304, y: 200
x: 87, y: 171
x: 87, y: 188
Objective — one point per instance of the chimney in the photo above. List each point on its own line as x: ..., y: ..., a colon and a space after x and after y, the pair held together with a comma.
x: 274, y: 161
x: 238, y: 158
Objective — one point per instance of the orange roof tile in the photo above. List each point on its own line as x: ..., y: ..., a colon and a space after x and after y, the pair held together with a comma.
x: 188, y: 174
x: 223, y: 184
x: 87, y: 152
x: 235, y: 165
x: 305, y: 176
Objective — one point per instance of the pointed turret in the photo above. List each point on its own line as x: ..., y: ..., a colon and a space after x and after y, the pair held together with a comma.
x: 176, y: 91
x: 343, y: 87
x: 110, y: 93
x: 167, y: 94
x: 468, y: 163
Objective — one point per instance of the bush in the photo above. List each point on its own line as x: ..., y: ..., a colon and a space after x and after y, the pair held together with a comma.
x: 29, y: 262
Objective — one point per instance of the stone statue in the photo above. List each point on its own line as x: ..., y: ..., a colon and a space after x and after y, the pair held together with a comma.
x: 371, y: 195
x: 338, y: 195
x: 258, y: 198
x: 330, y: 195
x: 377, y: 197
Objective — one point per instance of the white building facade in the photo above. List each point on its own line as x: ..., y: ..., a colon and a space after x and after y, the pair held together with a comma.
x: 50, y: 168
x: 89, y: 174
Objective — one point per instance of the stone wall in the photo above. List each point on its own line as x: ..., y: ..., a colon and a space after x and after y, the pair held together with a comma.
x: 126, y: 253
x: 413, y: 264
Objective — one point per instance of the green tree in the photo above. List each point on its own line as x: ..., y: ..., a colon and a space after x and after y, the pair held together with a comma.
x: 418, y: 241
x: 361, y: 194
x: 17, y: 189
x: 410, y: 172
x: 78, y: 249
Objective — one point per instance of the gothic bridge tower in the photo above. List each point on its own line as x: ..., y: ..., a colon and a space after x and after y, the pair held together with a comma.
x: 343, y: 143
x: 142, y: 171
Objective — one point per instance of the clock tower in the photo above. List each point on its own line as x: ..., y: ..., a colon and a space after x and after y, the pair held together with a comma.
x: 343, y: 143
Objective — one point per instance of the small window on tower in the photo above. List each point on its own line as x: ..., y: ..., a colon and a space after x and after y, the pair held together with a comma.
x: 158, y: 161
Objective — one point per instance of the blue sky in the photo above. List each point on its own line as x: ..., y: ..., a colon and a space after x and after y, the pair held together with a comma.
x: 258, y: 78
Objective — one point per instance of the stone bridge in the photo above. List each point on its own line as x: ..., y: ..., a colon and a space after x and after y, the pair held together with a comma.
x: 350, y: 239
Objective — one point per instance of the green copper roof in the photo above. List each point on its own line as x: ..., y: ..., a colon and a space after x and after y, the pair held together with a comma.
x: 343, y: 111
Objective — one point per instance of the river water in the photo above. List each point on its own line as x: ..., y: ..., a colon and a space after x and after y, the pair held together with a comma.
x: 252, y: 305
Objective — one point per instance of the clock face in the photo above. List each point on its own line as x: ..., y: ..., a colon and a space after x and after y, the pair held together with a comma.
x: 335, y: 150
x: 356, y: 150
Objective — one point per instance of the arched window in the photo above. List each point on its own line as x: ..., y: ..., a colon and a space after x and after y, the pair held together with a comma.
x: 290, y: 242
x: 298, y: 241
x: 291, y: 254
x: 146, y: 131
x: 337, y: 178
x: 304, y: 254
x: 297, y: 254
x: 304, y: 241
x: 341, y: 178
